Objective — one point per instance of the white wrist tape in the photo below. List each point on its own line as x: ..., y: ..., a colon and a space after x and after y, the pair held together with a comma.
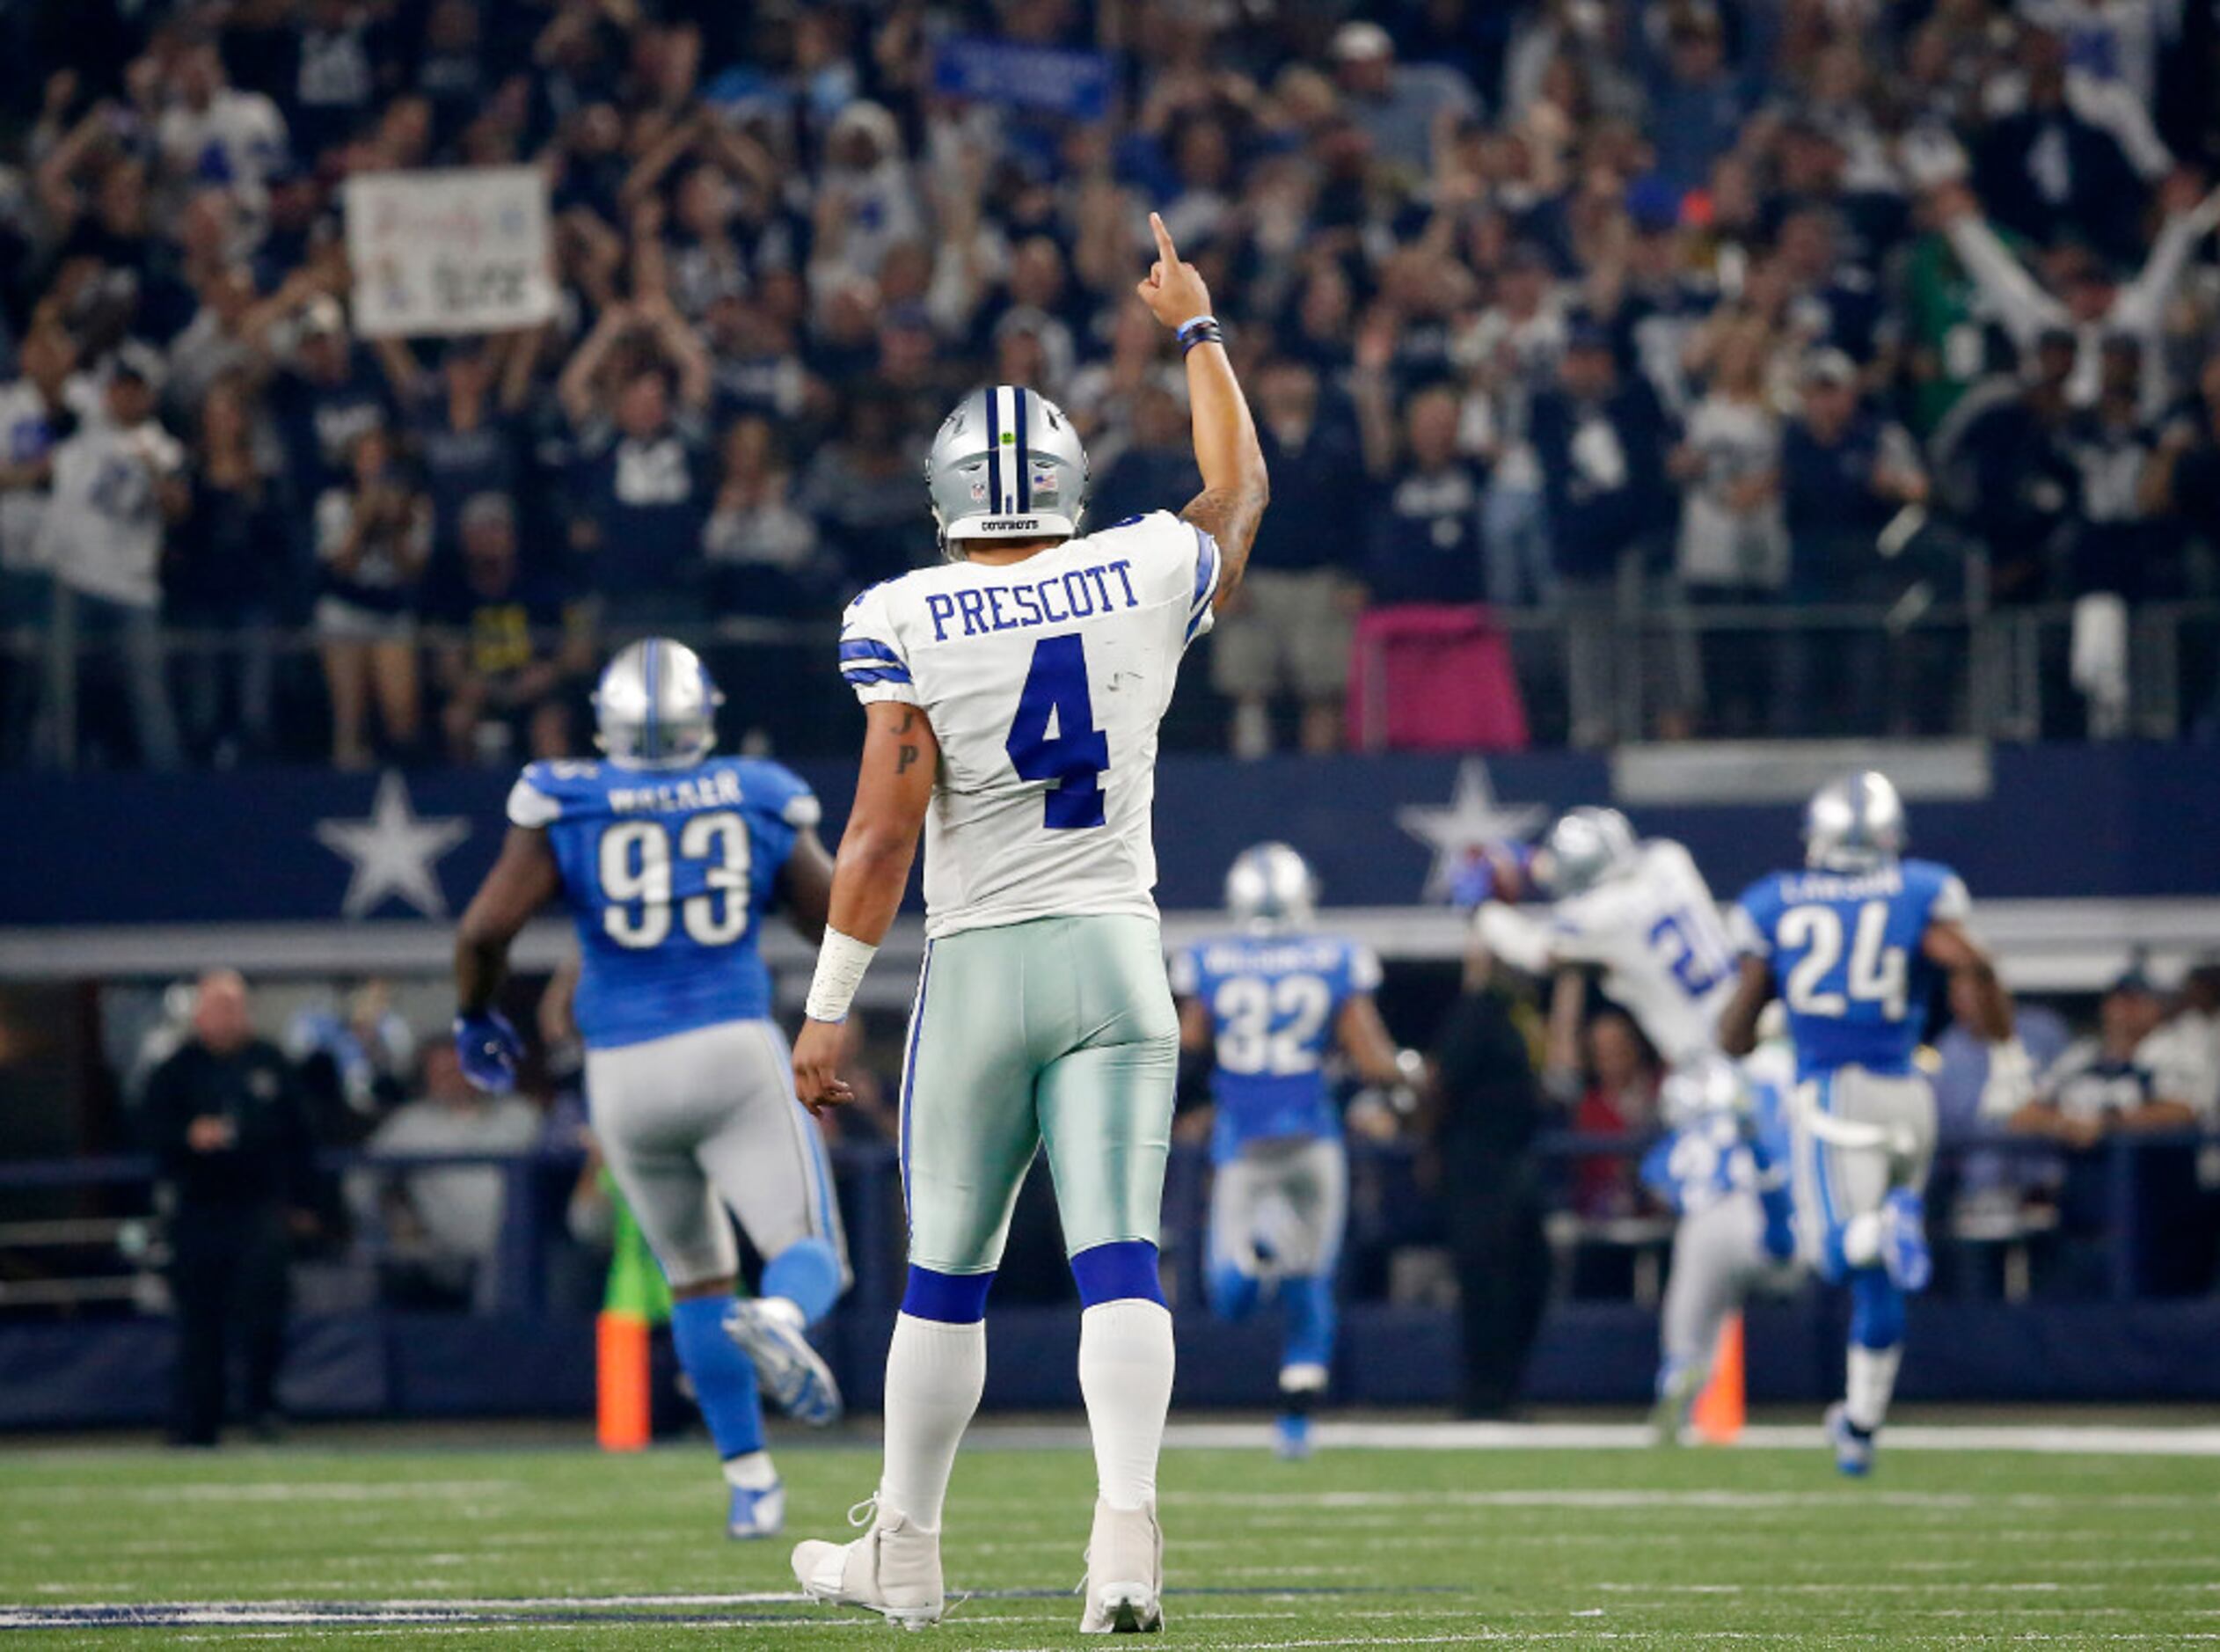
x: 841, y: 963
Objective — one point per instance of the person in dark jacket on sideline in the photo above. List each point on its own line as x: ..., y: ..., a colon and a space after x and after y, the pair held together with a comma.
x: 229, y: 1132
x: 1487, y: 1111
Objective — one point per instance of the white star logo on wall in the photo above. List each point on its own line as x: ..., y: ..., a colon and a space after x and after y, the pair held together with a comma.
x: 1472, y: 821
x: 393, y: 852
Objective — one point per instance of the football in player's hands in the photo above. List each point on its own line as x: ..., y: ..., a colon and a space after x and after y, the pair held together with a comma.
x: 1173, y: 289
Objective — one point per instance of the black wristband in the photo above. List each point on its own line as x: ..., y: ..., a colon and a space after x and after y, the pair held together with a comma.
x: 1201, y: 330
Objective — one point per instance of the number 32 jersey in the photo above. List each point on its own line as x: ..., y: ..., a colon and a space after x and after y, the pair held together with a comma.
x: 669, y: 874
x: 1274, y: 1003
x: 1044, y: 681
x: 1846, y: 948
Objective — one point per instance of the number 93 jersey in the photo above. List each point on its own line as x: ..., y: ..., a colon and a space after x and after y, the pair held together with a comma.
x: 1273, y: 1003
x: 1044, y: 681
x: 1846, y: 947
x: 667, y: 874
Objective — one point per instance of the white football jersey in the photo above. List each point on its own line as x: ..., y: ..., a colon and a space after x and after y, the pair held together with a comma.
x: 1656, y: 934
x: 1044, y: 681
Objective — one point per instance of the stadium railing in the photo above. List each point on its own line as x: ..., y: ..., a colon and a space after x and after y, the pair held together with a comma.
x: 2141, y: 1207
x: 1928, y: 668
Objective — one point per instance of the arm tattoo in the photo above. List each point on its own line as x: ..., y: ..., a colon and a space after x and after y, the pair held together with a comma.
x: 905, y: 758
x: 1229, y: 515
x: 909, y: 719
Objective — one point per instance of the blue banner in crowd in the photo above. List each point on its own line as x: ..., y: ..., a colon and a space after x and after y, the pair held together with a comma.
x: 311, y: 846
x: 1045, y: 79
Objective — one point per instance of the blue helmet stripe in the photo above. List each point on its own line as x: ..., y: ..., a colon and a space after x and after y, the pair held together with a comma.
x: 994, y: 453
x: 1025, y: 481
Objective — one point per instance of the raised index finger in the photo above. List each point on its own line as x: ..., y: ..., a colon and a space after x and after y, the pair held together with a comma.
x: 1164, y: 249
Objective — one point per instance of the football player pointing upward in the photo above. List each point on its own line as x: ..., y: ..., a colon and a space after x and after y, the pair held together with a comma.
x: 1012, y: 697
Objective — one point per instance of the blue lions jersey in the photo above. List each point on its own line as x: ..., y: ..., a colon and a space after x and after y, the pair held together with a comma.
x: 667, y: 874
x: 1709, y: 1159
x: 1274, y: 1002
x: 1846, y: 950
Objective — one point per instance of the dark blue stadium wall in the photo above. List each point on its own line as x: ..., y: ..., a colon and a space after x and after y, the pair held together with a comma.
x: 2048, y: 822
x: 402, y: 1366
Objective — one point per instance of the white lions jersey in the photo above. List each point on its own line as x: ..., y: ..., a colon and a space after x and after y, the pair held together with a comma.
x: 1044, y: 681
x: 1656, y: 934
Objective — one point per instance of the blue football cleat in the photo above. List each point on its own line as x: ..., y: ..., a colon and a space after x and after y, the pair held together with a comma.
x: 791, y: 1371
x: 1853, y: 1445
x: 757, y: 1511
x: 1904, y: 1255
x: 1291, y: 1436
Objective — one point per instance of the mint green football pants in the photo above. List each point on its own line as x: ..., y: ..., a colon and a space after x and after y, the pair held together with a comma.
x: 1058, y: 1033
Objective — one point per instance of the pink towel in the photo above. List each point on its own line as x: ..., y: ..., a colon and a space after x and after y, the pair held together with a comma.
x: 1426, y: 678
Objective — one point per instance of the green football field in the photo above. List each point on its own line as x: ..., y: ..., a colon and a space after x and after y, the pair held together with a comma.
x: 557, y: 1546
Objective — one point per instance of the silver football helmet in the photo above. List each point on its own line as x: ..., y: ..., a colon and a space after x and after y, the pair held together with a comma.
x: 1584, y: 847
x: 1271, y: 886
x: 1708, y: 1086
x: 1854, y: 824
x: 1006, y: 464
x: 656, y: 707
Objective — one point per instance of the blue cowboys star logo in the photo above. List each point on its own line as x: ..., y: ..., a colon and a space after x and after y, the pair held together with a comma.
x: 395, y: 855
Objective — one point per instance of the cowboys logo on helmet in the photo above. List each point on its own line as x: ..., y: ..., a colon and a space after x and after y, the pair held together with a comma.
x: 1006, y: 464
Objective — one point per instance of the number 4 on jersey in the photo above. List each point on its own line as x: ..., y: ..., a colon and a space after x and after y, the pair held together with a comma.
x: 1075, y: 756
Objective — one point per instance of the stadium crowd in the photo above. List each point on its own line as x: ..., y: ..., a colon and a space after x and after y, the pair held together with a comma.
x: 1598, y: 310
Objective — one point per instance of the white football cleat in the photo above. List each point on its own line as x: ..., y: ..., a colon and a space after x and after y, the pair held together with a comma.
x: 1125, y: 1573
x: 893, y: 1569
x: 797, y: 1378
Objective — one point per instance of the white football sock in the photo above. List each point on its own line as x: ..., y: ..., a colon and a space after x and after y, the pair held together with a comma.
x: 1125, y: 1374
x: 1873, y: 1378
x: 935, y: 1372
x: 750, y: 1470
x: 1861, y: 1240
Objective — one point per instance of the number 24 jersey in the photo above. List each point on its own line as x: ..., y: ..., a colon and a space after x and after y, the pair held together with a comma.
x: 1044, y: 681
x: 1845, y: 950
x: 668, y: 874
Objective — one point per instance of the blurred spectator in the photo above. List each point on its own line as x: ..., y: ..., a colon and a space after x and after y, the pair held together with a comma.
x: 1425, y: 541
x: 465, y: 423
x: 1396, y: 106
x: 225, y: 1120
x: 1289, y: 628
x: 37, y: 411
x: 646, y: 486
x: 1510, y: 352
x: 373, y: 537
x: 443, y: 1222
x: 1487, y: 1115
x: 1599, y: 438
x: 1620, y: 1100
x: 1962, y: 1103
x: 355, y: 1060
x: 1155, y: 469
x: 225, y: 581
x: 325, y: 397
x: 2012, y: 477
x: 2137, y: 1073
x: 118, y: 484
x: 1697, y: 99
x: 761, y: 547
x: 862, y: 489
x: 514, y: 647
x: 1847, y: 476
x: 1734, y: 541
x: 213, y: 132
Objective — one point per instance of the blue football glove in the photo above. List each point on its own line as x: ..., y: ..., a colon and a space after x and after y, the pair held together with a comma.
x: 490, y: 1050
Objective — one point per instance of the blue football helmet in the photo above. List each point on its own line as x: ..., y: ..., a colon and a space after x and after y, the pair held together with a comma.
x: 656, y: 707
x: 1854, y: 824
x: 1270, y: 887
